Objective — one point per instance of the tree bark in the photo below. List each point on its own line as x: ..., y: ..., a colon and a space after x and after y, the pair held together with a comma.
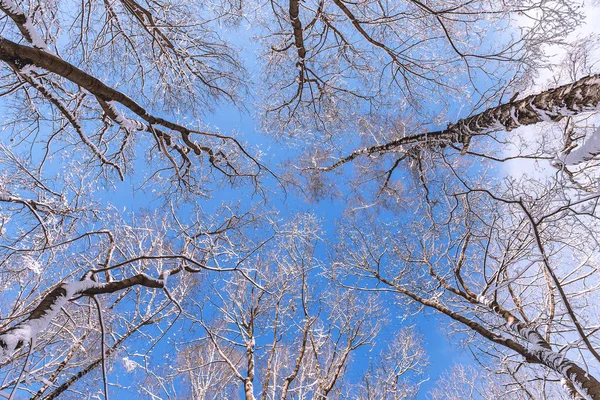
x: 585, y: 384
x: 550, y: 105
x: 582, y: 383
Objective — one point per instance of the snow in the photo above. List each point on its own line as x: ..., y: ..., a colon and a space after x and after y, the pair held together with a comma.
x: 32, y: 264
x: 543, y: 114
x: 584, y: 152
x: 560, y: 363
x: 11, y: 6
x: 546, y: 78
x: 484, y: 300
x: 28, y: 26
x: 124, y: 122
x: 28, y: 69
x: 538, y: 347
x: 513, y: 115
x: 580, y: 389
x: 130, y: 365
x: 36, y: 40
x: 26, y: 331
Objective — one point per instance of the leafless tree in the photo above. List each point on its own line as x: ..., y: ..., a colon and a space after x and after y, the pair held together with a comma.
x: 104, y: 90
x: 54, y: 333
x: 91, y: 89
x: 294, y: 339
x: 516, y: 276
x: 467, y: 382
x: 327, y: 61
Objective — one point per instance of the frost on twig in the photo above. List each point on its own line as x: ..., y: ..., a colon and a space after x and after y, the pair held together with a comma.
x: 27, y: 73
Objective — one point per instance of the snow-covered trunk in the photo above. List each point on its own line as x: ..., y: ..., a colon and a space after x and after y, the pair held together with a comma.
x: 550, y: 105
x: 540, y: 350
x: 250, y: 346
x: 585, y: 384
x: 24, y: 332
x: 249, y: 389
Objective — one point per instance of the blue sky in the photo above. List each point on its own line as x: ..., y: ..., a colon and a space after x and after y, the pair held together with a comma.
x: 442, y: 352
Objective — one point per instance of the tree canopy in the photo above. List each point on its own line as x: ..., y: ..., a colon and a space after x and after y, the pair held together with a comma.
x: 291, y: 199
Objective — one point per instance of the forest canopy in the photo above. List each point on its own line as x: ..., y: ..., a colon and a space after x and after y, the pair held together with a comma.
x: 318, y: 199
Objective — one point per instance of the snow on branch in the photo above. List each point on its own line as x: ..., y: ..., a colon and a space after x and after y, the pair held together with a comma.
x: 24, y: 23
x: 38, y: 321
x: 23, y: 56
x: 113, y: 113
x: 26, y: 331
x: 23, y: 333
x: 584, y: 152
x: 27, y: 73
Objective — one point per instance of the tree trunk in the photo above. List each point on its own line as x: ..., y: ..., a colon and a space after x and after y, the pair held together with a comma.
x: 550, y: 105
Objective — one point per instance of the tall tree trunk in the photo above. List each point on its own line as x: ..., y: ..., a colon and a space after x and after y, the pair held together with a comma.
x: 582, y: 383
x: 550, y: 105
x: 537, y: 351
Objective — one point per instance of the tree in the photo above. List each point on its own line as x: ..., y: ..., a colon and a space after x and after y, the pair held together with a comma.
x: 291, y: 339
x: 503, y: 270
x: 199, y: 71
x: 327, y: 61
x: 131, y: 257
x: 93, y: 89
x: 464, y: 382
x: 579, y: 97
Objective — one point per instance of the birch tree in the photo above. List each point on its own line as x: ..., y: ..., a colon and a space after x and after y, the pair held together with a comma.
x: 555, y: 125
x: 330, y: 60
x: 517, y: 277
x: 93, y: 89
x: 297, y: 338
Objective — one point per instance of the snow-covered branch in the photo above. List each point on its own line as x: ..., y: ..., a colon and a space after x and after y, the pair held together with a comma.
x: 26, y: 73
x: 113, y: 113
x: 584, y: 152
x: 22, y: 56
x: 40, y: 318
x: 24, y: 23
x: 26, y: 331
